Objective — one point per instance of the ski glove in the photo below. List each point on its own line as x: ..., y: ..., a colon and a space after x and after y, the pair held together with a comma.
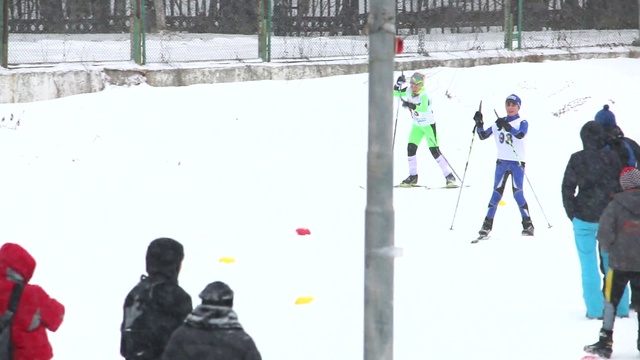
x: 502, y: 123
x: 477, y: 117
x: 399, y: 86
x: 408, y: 105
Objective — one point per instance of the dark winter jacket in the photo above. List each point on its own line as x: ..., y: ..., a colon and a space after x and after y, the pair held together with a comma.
x: 212, y: 331
x: 592, y: 171
x: 36, y: 312
x: 171, y: 303
x: 619, y: 231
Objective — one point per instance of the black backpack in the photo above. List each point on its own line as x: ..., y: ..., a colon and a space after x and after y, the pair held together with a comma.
x: 6, y: 349
x: 139, y: 327
x: 616, y: 142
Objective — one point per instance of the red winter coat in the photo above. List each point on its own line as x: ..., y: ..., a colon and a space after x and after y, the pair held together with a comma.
x: 36, y: 312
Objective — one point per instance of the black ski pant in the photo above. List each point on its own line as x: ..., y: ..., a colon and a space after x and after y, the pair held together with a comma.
x: 635, y: 294
x: 615, y: 284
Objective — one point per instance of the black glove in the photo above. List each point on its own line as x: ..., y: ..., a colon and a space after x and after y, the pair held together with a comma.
x: 399, y: 86
x: 408, y: 105
x: 477, y: 117
x: 502, y: 123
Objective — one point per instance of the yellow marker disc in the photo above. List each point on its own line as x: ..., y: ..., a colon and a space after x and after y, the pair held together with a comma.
x: 304, y: 300
x: 227, y: 260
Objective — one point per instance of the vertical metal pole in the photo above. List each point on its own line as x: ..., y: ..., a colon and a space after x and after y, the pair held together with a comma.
x: 506, y: 4
x: 143, y: 32
x: 4, y: 33
x: 636, y: 42
x: 262, y: 29
x: 138, y: 32
x: 520, y: 24
x: 270, y: 28
x: 379, y: 214
x: 135, y: 31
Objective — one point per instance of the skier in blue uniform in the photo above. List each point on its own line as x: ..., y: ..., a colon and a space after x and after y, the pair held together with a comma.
x: 509, y: 133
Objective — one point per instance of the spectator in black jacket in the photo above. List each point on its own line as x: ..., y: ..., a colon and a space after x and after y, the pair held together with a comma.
x: 629, y: 152
x: 594, y: 172
x: 157, y: 305
x: 212, y: 331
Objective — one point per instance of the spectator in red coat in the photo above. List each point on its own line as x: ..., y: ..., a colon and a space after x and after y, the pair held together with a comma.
x: 36, y: 312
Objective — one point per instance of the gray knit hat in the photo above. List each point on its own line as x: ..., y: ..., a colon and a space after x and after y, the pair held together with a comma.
x: 629, y: 178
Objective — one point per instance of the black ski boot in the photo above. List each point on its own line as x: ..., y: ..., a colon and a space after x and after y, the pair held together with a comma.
x: 411, y: 180
x: 603, y: 347
x: 451, y: 181
x: 527, y: 227
x: 487, y: 225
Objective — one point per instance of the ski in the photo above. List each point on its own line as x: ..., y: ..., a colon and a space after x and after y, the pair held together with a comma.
x: 591, y: 357
x: 444, y: 187
x: 480, y: 238
x: 426, y: 187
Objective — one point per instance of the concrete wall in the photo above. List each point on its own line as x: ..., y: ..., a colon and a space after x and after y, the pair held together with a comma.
x: 37, y: 84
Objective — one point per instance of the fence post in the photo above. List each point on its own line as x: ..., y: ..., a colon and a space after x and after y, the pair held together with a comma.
x: 270, y: 28
x: 636, y: 42
x: 264, y: 30
x: 519, y: 37
x: 506, y: 5
x: 4, y: 33
x: 137, y: 32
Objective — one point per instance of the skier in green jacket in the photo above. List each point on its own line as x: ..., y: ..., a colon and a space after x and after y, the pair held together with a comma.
x: 415, y: 99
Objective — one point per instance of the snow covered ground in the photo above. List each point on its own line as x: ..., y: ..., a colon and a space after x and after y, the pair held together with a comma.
x: 231, y: 170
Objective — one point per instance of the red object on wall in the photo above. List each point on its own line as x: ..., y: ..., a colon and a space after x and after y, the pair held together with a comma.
x: 399, y: 45
x: 303, y: 231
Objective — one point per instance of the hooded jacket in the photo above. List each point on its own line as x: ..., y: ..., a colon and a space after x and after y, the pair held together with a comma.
x: 171, y: 303
x: 593, y: 172
x: 36, y: 312
x: 619, y: 231
x: 212, y: 331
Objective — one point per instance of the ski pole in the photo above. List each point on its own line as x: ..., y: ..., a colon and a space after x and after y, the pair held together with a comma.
x: 451, y: 167
x: 466, y: 165
x: 395, y: 127
x: 538, y: 201
x: 510, y: 142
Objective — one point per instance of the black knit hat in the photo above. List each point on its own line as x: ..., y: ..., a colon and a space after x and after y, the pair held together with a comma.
x: 164, y: 256
x: 629, y: 178
x: 217, y: 294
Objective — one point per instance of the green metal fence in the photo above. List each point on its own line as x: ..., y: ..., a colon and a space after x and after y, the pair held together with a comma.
x: 179, y: 31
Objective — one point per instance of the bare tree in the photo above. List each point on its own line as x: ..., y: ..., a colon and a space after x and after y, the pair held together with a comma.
x: 51, y: 12
x: 100, y: 11
x: 161, y: 23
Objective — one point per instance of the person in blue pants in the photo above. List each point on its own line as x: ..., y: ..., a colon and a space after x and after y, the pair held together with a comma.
x: 509, y: 134
x: 593, y: 172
